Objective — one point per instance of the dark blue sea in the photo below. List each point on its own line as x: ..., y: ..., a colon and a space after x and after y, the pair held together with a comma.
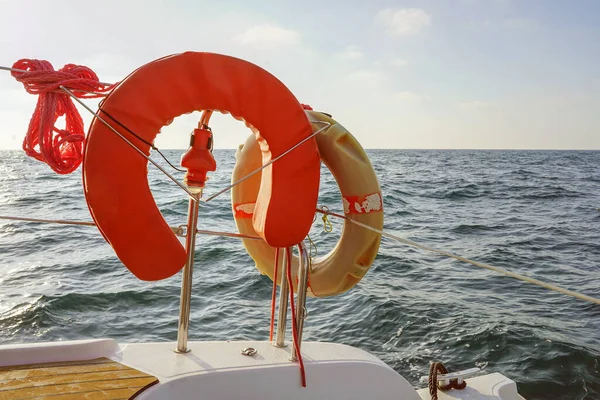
x: 533, y: 212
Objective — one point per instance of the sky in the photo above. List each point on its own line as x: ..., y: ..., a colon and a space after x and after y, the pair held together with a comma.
x: 464, y: 74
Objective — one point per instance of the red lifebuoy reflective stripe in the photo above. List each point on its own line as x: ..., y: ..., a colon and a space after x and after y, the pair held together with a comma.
x: 115, y: 176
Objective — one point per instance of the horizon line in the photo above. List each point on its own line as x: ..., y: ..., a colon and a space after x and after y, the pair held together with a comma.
x: 399, y: 148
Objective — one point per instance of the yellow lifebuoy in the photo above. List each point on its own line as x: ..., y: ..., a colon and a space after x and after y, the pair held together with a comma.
x: 345, y: 265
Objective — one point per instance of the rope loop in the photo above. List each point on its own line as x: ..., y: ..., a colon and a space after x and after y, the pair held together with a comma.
x: 434, y: 384
x: 327, y: 226
x: 312, y: 249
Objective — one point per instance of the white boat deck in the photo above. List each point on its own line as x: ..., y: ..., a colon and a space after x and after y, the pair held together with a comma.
x: 219, y: 371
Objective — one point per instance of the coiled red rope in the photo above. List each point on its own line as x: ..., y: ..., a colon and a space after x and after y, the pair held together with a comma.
x: 61, y: 149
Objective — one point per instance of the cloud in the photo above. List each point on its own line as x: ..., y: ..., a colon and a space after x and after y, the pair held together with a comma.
x: 411, y: 97
x: 479, y: 24
x: 398, y: 62
x: 476, y: 105
x: 351, y: 53
x: 268, y: 37
x: 365, y: 77
x: 525, y: 24
x: 404, y: 21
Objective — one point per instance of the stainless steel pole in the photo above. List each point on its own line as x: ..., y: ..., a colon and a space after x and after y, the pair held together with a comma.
x: 283, y: 304
x: 186, y: 280
x: 303, y: 271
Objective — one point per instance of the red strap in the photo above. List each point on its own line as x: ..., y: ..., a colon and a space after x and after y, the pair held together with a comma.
x: 273, y: 294
x: 294, y: 326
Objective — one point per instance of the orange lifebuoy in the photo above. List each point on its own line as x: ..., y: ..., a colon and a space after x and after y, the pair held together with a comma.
x: 115, y: 175
x: 357, y: 248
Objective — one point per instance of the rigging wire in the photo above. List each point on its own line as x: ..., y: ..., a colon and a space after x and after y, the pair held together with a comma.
x: 515, y: 275
x: 122, y: 125
x: 140, y: 152
x: 220, y: 192
x: 322, y: 211
x: 205, y: 117
x: 177, y: 230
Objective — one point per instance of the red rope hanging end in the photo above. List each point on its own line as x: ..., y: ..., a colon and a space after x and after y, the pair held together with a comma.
x: 273, y: 295
x: 61, y: 149
x: 294, y: 326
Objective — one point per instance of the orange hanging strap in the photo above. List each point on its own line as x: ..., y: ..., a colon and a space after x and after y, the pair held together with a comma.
x: 273, y: 294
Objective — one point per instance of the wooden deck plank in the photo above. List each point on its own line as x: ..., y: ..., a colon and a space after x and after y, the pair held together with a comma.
x: 61, y: 379
x: 116, y: 394
x: 132, y: 385
x: 102, y: 360
x: 28, y: 373
x: 96, y: 379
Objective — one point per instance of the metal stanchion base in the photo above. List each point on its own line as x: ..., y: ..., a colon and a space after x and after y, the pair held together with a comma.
x: 176, y: 350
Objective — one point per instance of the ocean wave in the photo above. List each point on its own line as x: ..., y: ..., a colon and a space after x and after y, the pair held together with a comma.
x: 549, y: 193
x: 476, y: 228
